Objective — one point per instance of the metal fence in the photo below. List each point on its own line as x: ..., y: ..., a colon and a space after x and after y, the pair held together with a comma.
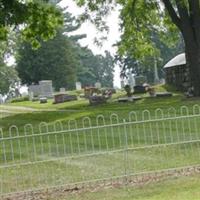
x: 98, y: 149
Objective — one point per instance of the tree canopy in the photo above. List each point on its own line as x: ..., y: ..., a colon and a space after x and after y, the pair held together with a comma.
x: 54, y: 60
x: 63, y: 60
x: 140, y: 17
x: 146, y: 66
x: 93, y: 68
x: 35, y: 20
x: 8, y: 74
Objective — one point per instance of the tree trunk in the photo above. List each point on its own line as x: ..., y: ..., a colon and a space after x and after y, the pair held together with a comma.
x: 186, y: 17
x: 193, y: 62
x: 192, y: 51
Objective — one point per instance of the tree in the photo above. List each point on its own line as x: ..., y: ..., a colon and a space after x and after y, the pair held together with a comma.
x: 145, y: 66
x: 8, y: 78
x: 104, y: 69
x: 8, y: 74
x: 87, y: 63
x: 140, y: 16
x: 35, y: 19
x: 93, y: 68
x: 54, y: 60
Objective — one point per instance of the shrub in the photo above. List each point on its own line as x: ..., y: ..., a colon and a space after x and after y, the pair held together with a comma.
x: 20, y: 99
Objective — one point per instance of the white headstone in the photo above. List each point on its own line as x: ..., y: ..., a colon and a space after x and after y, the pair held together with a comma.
x: 35, y: 89
x: 131, y: 80
x: 46, y: 89
x: 78, y: 86
x: 31, y: 95
x: 62, y: 90
x: 122, y: 84
x: 98, y: 85
x: 1, y: 99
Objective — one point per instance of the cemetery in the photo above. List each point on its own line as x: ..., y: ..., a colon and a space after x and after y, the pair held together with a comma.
x: 99, y: 130
x: 137, y: 90
x: 58, y: 120
x: 99, y: 100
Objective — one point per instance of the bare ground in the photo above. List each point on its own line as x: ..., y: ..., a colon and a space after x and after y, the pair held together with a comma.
x: 135, y: 180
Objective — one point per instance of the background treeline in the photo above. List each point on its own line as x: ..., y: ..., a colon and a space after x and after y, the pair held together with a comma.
x: 64, y: 61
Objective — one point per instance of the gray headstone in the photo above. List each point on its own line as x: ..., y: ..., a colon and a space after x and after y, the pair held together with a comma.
x: 140, y: 80
x: 46, y: 89
x: 34, y: 89
x: 62, y: 90
x: 43, y: 100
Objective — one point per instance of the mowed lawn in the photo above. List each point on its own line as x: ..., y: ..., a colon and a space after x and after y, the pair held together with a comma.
x: 182, y: 188
x: 64, y: 152
x: 77, y: 110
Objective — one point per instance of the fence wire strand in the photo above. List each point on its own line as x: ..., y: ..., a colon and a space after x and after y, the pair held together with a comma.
x: 66, y: 153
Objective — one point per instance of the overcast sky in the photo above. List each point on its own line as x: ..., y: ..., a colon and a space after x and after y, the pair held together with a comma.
x: 90, y: 30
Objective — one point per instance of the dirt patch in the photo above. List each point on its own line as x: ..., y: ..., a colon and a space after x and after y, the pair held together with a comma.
x: 130, y: 180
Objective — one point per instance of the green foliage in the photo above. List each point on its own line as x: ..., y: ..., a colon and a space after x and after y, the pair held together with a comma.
x: 93, y: 68
x: 8, y: 78
x: 63, y: 60
x: 8, y: 74
x: 127, y: 88
x: 54, y: 61
x: 147, y: 31
x: 19, y: 99
x: 38, y: 18
x: 146, y: 66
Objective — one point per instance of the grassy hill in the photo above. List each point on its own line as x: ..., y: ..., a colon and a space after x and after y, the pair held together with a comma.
x: 140, y: 160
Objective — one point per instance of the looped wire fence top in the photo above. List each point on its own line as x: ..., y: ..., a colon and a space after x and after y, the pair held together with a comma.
x: 108, y: 147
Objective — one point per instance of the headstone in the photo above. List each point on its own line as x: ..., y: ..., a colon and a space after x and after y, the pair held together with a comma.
x: 46, y: 89
x: 140, y: 80
x: 131, y: 80
x: 43, y: 100
x: 62, y: 90
x: 78, y: 86
x: 90, y: 91
x: 164, y: 94
x: 95, y: 100
x: 126, y: 99
x: 1, y: 99
x: 35, y: 89
x: 122, y: 84
x: 61, y: 98
x: 139, y: 89
x: 31, y: 95
x: 98, y: 85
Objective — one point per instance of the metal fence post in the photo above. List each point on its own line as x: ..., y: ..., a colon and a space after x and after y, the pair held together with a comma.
x: 125, y: 152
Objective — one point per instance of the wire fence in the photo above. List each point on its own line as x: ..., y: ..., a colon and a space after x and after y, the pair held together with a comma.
x: 78, y: 152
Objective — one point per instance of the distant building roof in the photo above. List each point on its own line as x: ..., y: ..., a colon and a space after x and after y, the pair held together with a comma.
x: 176, y: 61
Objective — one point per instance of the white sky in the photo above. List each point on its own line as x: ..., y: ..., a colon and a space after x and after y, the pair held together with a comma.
x: 89, y: 29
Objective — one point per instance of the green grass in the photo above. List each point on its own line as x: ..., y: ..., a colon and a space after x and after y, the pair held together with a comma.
x: 184, y: 188
x: 79, y: 109
x: 63, y: 145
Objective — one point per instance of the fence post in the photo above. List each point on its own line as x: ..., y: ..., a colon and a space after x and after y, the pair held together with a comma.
x: 125, y: 152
